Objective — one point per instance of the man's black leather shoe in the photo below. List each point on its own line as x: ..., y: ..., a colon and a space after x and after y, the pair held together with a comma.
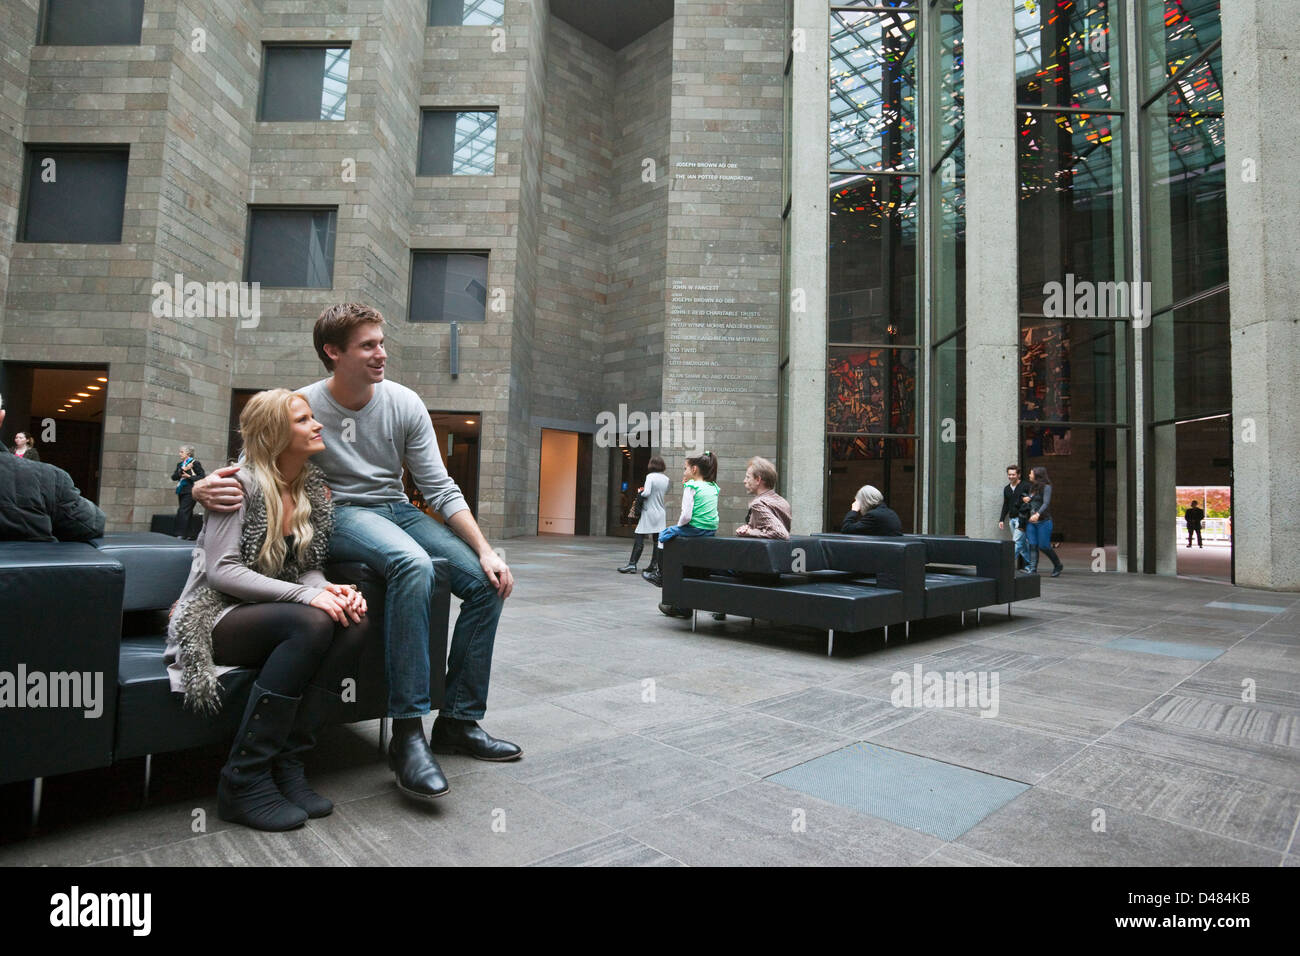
x: 452, y: 736
x: 418, y: 773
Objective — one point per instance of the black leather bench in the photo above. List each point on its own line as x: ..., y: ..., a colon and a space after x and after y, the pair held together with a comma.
x: 103, y: 609
x: 851, y: 586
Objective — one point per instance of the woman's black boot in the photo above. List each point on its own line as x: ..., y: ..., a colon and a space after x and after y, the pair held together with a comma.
x: 247, y: 792
x: 287, y: 769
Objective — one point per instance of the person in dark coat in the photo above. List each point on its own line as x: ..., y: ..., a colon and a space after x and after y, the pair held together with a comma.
x: 1194, y: 516
x: 870, y: 515
x: 39, y: 502
x: 187, y: 471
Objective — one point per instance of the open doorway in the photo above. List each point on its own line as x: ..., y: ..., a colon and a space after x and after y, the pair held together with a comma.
x: 458, y: 436
x: 1204, y: 476
x: 61, y: 409
x: 564, y: 483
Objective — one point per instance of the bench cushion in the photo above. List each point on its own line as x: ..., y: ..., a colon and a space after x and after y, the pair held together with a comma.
x: 157, y: 566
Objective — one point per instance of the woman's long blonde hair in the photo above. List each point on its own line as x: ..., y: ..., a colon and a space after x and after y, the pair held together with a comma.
x: 266, y: 425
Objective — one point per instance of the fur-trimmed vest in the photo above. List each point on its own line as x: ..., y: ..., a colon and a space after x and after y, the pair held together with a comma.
x: 195, y: 615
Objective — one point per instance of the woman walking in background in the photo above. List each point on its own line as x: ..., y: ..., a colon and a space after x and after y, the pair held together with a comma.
x: 653, y: 517
x: 256, y: 597
x: 1039, y: 527
x: 24, y: 447
x: 187, y: 471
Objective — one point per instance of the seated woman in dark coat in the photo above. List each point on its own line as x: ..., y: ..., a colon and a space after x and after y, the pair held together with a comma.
x: 870, y: 515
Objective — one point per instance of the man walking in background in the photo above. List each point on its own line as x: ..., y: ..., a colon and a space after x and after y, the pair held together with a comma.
x: 1013, y: 496
x: 1194, y: 516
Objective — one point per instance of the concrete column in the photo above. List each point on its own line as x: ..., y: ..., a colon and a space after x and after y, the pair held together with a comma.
x: 1261, y: 78
x: 992, y: 306
x: 805, y: 463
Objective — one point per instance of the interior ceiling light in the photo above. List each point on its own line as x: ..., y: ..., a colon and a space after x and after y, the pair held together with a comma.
x: 84, y: 394
x: 74, y: 401
x: 101, y: 379
x: 94, y: 388
x: 469, y: 421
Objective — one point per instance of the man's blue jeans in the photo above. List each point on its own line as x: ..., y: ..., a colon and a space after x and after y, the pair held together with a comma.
x: 1021, y: 537
x: 397, y: 541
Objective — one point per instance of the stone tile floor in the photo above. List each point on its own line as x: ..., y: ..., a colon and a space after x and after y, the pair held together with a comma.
x: 1153, y: 721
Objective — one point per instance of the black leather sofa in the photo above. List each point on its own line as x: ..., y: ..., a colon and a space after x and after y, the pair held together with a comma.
x: 101, y: 609
x: 843, y: 582
x: 964, y: 574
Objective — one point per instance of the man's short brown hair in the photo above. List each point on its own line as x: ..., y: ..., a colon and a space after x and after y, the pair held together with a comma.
x: 764, y: 471
x: 335, y: 326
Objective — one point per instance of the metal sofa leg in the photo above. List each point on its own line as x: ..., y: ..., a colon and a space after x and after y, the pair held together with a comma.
x: 148, y: 778
x: 907, y: 629
x: 385, y: 730
x: 692, y: 620
x: 886, y: 633
x: 38, y: 787
x: 1008, y: 609
x: 977, y: 616
x: 830, y: 641
x: 963, y: 618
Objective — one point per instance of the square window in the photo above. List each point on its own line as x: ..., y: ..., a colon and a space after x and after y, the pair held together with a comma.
x: 304, y: 84
x: 74, y: 195
x: 102, y: 23
x: 291, y: 248
x: 448, y: 286
x: 465, y: 13
x: 455, y: 143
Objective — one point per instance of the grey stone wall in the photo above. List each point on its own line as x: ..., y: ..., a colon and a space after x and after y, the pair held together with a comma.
x: 724, y: 233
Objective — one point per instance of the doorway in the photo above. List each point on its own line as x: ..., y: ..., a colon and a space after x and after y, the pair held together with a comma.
x: 1203, y: 474
x: 564, y: 483
x: 61, y: 409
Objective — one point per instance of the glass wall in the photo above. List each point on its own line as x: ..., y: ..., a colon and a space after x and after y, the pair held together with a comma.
x: 873, y: 350
x: 1185, y: 218
x: 1076, y: 304
x: 947, y: 425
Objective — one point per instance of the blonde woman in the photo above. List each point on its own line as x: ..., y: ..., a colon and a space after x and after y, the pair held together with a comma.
x: 256, y: 597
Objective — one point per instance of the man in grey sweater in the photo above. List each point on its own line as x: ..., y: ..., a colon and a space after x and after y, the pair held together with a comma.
x: 372, y: 428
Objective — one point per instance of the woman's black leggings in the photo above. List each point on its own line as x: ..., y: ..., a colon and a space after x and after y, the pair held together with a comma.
x: 638, y: 544
x: 292, y: 643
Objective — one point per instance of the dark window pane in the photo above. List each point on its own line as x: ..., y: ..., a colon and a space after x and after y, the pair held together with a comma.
x: 871, y: 390
x: 888, y: 464
x: 470, y: 13
x: 1072, y: 208
x: 1067, y: 370
x: 75, y: 195
x: 1191, y: 362
x: 873, y: 90
x: 1068, y: 53
x: 872, y: 268
x: 1082, y: 464
x: 949, y: 430
x: 448, y: 287
x: 1187, y: 200
x: 93, y: 22
x: 305, y: 83
x: 457, y: 143
x: 1176, y: 33
x: 291, y: 248
x: 949, y: 269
